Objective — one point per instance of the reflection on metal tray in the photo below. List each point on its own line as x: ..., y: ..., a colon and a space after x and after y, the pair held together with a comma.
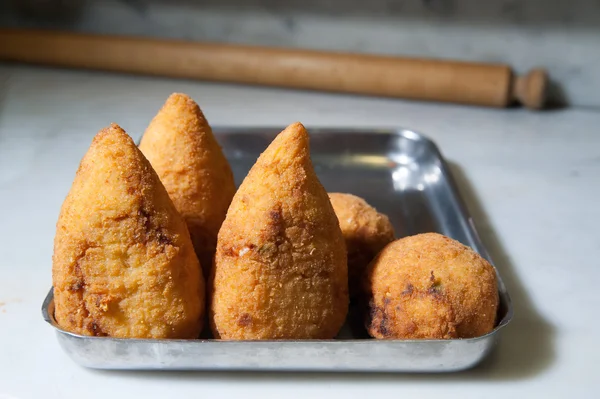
x: 402, y: 174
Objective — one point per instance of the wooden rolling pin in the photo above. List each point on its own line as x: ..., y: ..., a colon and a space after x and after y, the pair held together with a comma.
x: 421, y: 79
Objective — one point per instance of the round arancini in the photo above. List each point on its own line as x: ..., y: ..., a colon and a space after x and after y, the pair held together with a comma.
x: 365, y: 231
x: 429, y: 286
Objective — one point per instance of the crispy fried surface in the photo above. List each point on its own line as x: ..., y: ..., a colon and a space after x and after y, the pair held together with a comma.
x: 181, y: 147
x: 123, y: 263
x: 430, y: 286
x: 365, y: 231
x: 280, y: 266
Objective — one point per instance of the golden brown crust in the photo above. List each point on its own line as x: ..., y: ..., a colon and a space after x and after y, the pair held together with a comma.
x: 280, y: 266
x: 181, y: 147
x: 123, y: 263
x: 430, y: 286
x: 365, y: 231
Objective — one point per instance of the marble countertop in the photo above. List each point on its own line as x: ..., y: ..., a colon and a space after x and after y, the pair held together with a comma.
x: 529, y: 179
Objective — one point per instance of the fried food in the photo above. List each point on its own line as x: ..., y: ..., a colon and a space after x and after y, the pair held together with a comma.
x: 430, y: 286
x: 365, y: 231
x: 181, y: 147
x: 123, y: 264
x: 280, y: 267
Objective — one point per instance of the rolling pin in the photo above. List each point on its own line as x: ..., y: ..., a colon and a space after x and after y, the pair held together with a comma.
x: 482, y: 84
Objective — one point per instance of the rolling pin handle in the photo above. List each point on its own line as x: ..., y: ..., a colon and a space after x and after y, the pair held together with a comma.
x: 531, y: 89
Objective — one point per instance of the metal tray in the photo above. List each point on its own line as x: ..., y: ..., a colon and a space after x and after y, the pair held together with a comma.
x: 402, y: 174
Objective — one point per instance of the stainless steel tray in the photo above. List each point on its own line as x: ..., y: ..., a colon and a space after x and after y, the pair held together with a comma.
x: 402, y: 174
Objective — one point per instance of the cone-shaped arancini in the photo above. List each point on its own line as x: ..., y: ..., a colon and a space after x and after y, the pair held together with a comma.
x: 124, y: 264
x: 280, y: 267
x: 180, y: 145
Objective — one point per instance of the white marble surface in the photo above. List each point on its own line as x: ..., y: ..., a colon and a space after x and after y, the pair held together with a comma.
x: 530, y: 179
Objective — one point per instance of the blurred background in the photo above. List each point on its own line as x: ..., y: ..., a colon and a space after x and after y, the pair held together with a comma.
x: 562, y: 36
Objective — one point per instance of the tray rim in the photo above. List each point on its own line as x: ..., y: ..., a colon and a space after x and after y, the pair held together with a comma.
x: 316, y: 130
x: 49, y: 318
